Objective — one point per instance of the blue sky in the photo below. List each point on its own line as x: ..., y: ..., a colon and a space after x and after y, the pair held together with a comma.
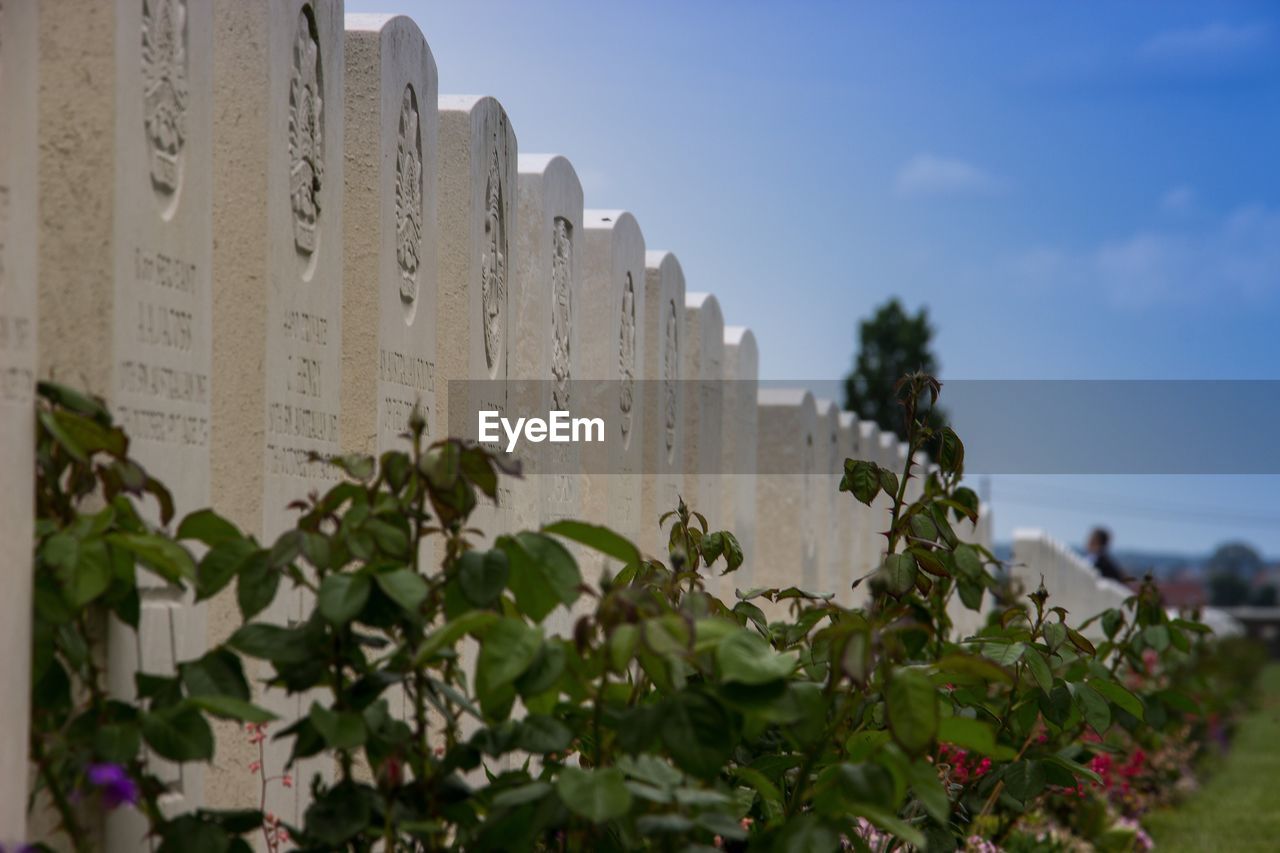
x: 1082, y: 190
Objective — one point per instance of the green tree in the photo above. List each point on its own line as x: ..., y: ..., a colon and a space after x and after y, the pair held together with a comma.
x: 1231, y: 569
x: 891, y: 344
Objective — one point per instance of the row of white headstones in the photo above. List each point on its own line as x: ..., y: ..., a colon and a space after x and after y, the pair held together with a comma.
x: 257, y: 231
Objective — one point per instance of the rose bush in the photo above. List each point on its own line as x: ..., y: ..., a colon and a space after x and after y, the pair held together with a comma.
x: 656, y: 716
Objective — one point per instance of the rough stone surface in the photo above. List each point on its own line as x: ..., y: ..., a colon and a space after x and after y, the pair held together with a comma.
x: 389, y: 234
x: 834, y: 570
x: 546, y: 351
x: 125, y: 244
x: 788, y: 432
x: 739, y: 444
x: 19, y: 160
x: 278, y: 75
x: 702, y: 369
x: 848, y: 511
x: 664, y: 401
x: 613, y: 308
x: 476, y: 220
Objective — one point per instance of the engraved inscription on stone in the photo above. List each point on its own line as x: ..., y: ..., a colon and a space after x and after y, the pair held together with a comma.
x: 493, y: 266
x: 164, y: 99
x: 627, y: 358
x: 409, y: 196
x: 561, y: 311
x: 306, y: 137
x: 670, y: 375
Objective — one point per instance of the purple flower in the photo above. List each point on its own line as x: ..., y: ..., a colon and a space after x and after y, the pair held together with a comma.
x: 114, y: 783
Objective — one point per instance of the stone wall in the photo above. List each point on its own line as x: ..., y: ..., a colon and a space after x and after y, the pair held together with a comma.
x: 259, y: 232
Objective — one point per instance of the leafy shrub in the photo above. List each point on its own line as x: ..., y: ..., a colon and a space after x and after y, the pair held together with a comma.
x: 661, y: 716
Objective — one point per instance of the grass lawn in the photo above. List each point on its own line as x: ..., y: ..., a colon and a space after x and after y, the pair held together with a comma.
x: 1239, y: 806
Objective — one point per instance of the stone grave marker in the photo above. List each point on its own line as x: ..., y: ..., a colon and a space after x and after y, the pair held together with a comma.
x: 739, y: 445
x: 277, y: 363
x: 664, y: 402
x: 702, y: 369
x: 613, y: 308
x: 476, y: 220
x: 389, y: 222
x: 19, y: 168
x: 788, y: 428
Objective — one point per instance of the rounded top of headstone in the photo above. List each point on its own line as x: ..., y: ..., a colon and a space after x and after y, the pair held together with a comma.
x: 552, y: 169
x: 704, y: 303
x: 848, y: 420
x: 745, y: 341
x: 786, y: 398
x: 470, y: 104
x: 869, y: 430
x: 664, y: 262
x: 619, y: 221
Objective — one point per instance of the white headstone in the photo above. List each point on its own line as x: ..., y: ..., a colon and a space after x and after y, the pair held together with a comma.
x: 786, y: 463
x: 613, y: 307
x: 389, y: 234
x: 476, y: 216
x: 739, y: 442
x: 277, y: 309
x: 702, y: 369
x: 126, y: 127
x: 664, y: 402
x: 546, y: 353
x: 848, y: 517
x: 19, y: 153
x: 834, y: 570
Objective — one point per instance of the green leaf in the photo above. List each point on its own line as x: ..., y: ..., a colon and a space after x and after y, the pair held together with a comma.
x: 912, y: 708
x: 507, y: 649
x: 474, y: 622
x: 205, y: 525
x: 230, y: 708
x: 973, y: 735
x: 697, y: 732
x: 217, y: 673
x: 543, y: 573
x: 972, y: 667
x: 862, y: 479
x: 92, y: 573
x: 178, y: 733
x: 340, y: 729
x: 258, y: 581
x: 746, y: 658
x: 541, y: 734
x: 188, y: 833
x: 898, y: 574
x: 220, y: 564
x: 482, y: 576
x: 1039, y: 668
x: 600, y: 538
x: 889, y: 482
x: 342, y: 596
x: 163, y: 556
x: 1025, y: 780
x: 403, y: 586
x: 1096, y: 712
x: 928, y: 789
x: 1119, y: 696
x: 597, y: 795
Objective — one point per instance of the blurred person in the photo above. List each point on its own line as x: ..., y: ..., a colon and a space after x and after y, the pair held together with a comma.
x: 1097, y: 548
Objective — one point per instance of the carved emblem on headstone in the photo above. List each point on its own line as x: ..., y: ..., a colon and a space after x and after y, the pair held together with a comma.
x: 561, y: 311
x: 306, y: 137
x: 627, y: 356
x: 164, y: 81
x: 408, y: 196
x: 493, y: 266
x: 670, y: 375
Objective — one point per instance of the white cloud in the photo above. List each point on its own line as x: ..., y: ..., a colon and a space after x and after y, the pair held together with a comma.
x: 1213, y: 42
x: 927, y: 174
x: 1180, y: 199
x: 1237, y: 258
